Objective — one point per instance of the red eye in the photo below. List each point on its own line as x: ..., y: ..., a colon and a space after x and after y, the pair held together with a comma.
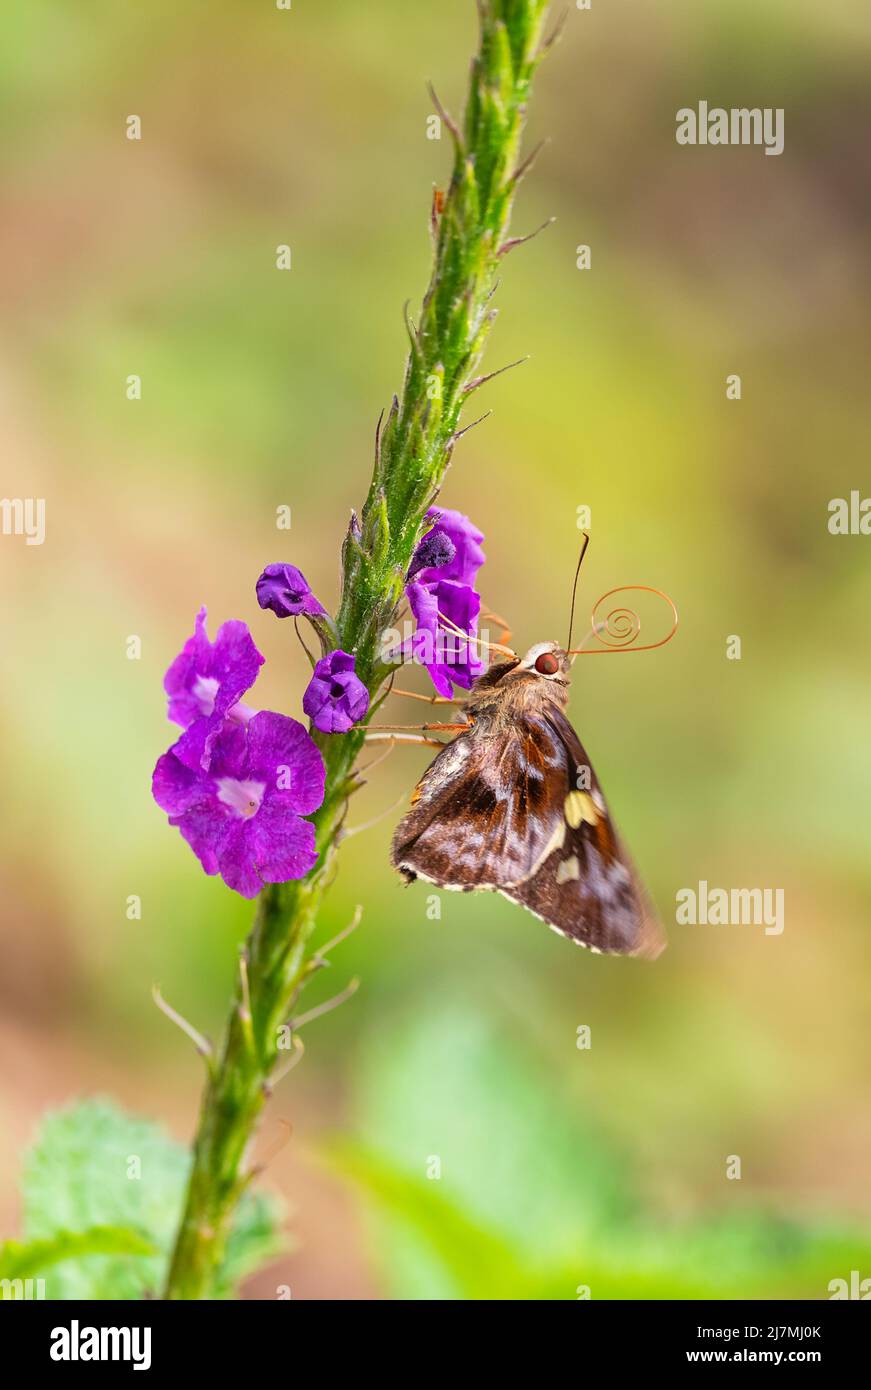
x: 546, y: 664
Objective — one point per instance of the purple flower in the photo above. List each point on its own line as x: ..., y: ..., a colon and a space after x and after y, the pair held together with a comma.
x: 441, y: 580
x: 466, y: 539
x: 208, y: 678
x: 335, y: 697
x: 285, y: 590
x: 242, y: 817
x: 446, y: 656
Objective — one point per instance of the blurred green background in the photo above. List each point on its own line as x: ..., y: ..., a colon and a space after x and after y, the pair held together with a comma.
x: 559, y: 1167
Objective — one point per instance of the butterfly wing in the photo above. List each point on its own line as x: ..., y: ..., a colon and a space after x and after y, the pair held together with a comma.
x: 476, y: 819
x: 503, y: 811
x: 587, y: 888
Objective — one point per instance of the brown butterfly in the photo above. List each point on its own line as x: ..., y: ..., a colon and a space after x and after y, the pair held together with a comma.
x: 512, y: 805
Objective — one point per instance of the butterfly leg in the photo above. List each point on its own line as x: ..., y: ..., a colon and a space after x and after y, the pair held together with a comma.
x: 424, y: 728
x: 429, y: 699
x: 393, y: 739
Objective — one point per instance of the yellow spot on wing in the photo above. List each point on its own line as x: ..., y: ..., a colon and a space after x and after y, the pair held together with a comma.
x: 580, y: 806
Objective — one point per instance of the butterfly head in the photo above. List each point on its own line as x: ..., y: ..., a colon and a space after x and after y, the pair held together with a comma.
x: 544, y: 670
x: 546, y: 661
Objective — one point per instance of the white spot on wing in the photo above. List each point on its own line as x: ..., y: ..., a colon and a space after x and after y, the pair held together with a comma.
x: 569, y: 869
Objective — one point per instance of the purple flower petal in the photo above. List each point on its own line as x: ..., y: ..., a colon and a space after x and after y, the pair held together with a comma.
x: 280, y: 750
x: 441, y: 579
x: 196, y: 746
x: 424, y: 606
x: 466, y: 539
x: 233, y: 860
x: 286, y: 591
x: 204, y: 827
x: 282, y: 845
x: 447, y: 657
x: 273, y: 846
x: 208, y: 679
x: 174, y: 786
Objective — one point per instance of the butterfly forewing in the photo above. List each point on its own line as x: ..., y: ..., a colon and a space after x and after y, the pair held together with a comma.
x: 516, y: 808
x: 480, y: 814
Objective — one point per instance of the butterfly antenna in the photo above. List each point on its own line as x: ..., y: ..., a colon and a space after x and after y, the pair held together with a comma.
x: 620, y: 629
x: 586, y: 542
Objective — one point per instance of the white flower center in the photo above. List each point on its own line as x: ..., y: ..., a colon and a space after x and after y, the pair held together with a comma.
x: 243, y: 798
x: 205, y: 689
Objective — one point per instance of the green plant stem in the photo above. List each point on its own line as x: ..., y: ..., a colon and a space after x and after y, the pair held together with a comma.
x: 413, y: 450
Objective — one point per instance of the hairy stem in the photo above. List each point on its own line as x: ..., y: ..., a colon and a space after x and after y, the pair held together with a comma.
x: 413, y: 449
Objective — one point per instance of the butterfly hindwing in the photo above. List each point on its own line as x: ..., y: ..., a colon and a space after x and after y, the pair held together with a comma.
x: 587, y: 888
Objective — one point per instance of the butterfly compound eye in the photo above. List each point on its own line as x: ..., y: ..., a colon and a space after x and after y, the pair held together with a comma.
x: 546, y: 664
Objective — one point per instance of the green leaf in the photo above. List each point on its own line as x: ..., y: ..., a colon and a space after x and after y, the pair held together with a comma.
x: 23, y: 1260
x: 255, y: 1238
x: 94, y: 1167
x: 521, y: 1162
x: 478, y: 1263
x: 532, y: 1200
x: 529, y: 1159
